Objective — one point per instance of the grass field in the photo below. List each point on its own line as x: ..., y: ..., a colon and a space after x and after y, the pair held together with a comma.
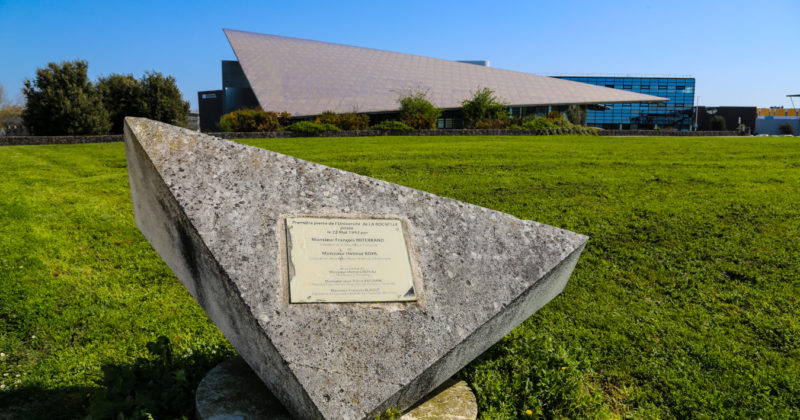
x: 685, y: 304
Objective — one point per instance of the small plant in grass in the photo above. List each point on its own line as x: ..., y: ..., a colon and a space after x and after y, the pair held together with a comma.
x: 390, y: 414
x: 530, y: 375
x: 786, y: 128
x: 392, y: 125
x: 311, y: 128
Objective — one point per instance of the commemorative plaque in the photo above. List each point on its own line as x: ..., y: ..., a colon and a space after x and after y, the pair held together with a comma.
x: 340, y: 260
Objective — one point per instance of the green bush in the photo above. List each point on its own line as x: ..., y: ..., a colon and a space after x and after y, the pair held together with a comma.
x: 484, y: 110
x: 311, y: 128
x: 787, y: 128
x: 546, y: 126
x: 250, y: 120
x: 284, y: 118
x: 576, y: 114
x: 555, y: 116
x: 417, y: 111
x: 392, y: 125
x: 492, y: 123
x: 347, y: 121
x: 718, y: 123
x: 540, y: 123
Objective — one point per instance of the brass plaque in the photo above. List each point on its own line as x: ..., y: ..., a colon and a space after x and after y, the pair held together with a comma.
x: 348, y: 260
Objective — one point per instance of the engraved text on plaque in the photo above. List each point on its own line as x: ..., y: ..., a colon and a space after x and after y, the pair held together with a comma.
x: 348, y: 260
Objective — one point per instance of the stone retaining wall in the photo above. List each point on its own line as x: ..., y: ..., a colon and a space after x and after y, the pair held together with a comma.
x: 35, y: 140
x: 667, y: 133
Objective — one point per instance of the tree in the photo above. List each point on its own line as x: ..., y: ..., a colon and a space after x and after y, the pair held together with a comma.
x: 718, y: 123
x: 122, y: 96
x: 62, y: 100
x: 417, y: 111
x: 10, y: 118
x: 162, y: 101
x: 484, y: 110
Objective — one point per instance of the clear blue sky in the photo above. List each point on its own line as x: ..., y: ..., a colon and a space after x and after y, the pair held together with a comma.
x: 741, y: 52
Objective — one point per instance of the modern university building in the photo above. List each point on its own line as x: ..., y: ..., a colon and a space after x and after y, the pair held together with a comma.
x: 307, y: 78
x: 676, y: 114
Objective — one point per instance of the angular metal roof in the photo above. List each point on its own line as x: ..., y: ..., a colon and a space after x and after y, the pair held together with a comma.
x: 310, y: 77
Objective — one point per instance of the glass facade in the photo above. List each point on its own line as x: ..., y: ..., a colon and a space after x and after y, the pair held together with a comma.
x: 676, y: 114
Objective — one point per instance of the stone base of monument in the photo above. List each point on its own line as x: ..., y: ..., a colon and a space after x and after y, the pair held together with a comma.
x: 233, y: 391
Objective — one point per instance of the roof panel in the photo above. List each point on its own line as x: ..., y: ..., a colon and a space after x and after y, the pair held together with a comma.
x: 307, y: 77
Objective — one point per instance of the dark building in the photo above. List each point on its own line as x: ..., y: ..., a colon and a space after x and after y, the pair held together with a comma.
x: 235, y: 94
x: 675, y: 114
x: 733, y: 115
x: 210, y: 107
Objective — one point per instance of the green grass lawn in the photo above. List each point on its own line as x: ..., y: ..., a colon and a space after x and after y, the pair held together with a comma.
x: 686, y: 302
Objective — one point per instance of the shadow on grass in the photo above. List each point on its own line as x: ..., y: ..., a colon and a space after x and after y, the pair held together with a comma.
x: 32, y: 402
x: 160, y: 387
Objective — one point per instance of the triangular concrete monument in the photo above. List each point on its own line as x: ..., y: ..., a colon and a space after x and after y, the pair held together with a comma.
x: 345, y: 294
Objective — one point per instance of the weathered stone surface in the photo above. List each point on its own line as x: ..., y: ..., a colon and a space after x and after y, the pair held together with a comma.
x: 232, y: 391
x: 213, y: 210
x: 452, y: 401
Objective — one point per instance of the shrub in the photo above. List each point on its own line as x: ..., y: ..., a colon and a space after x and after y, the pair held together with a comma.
x: 555, y: 116
x: 311, y: 128
x: 484, y: 110
x: 248, y: 120
x: 786, y: 128
x: 492, y: 123
x: 283, y: 118
x: 576, y: 114
x: 544, y: 126
x: 346, y: 121
x: 540, y: 123
x: 417, y: 111
x: 392, y: 125
x: 718, y: 123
